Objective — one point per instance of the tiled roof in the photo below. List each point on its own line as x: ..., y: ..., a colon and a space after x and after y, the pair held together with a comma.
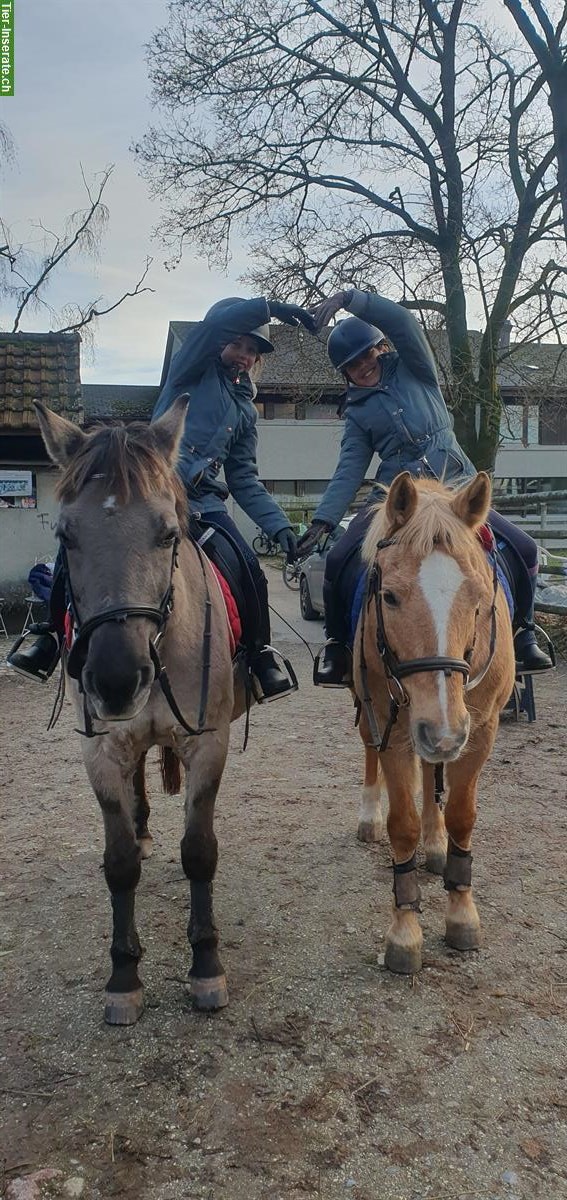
x: 122, y: 402
x: 300, y: 369
x: 39, y: 366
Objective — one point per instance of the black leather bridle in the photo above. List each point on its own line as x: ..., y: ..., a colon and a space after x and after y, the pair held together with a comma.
x: 76, y: 657
x: 395, y: 669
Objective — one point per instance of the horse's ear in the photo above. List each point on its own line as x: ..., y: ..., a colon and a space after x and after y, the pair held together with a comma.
x: 63, y: 440
x: 471, y: 503
x: 401, y: 502
x: 167, y: 431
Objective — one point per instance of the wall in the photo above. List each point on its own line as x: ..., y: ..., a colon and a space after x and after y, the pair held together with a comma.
x: 27, y: 535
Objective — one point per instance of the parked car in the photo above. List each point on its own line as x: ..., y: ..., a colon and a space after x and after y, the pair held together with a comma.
x: 313, y: 572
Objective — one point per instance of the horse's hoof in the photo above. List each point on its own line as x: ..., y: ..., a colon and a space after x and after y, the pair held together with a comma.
x: 402, y: 960
x: 123, y: 1008
x: 368, y: 831
x: 208, y: 994
x: 435, y: 862
x: 462, y: 937
x: 146, y: 845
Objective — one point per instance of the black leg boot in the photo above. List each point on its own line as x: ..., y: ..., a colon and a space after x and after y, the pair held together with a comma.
x: 272, y: 675
x: 36, y: 657
x: 333, y: 665
x: 529, y: 657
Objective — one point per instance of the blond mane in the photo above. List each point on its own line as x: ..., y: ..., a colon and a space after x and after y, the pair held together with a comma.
x: 127, y: 457
x: 433, y: 525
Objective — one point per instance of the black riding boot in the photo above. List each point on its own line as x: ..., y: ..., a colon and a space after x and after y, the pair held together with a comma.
x: 36, y: 657
x: 333, y: 665
x: 270, y: 681
x: 529, y: 657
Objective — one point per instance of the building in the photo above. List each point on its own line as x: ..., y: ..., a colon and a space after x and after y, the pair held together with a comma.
x: 299, y: 431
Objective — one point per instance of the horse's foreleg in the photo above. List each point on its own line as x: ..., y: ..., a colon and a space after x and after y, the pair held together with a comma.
x: 433, y: 828
x: 462, y: 930
x: 142, y: 808
x: 122, y: 866
x: 370, y: 815
x: 207, y: 981
x: 404, y: 939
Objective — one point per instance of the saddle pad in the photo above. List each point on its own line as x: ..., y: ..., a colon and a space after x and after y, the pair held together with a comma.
x: 232, y: 614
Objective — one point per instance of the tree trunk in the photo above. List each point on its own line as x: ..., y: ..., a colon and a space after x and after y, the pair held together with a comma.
x: 558, y: 106
x: 476, y: 413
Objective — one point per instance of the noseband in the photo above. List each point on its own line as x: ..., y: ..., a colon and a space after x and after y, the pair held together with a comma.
x: 159, y: 616
x: 395, y: 669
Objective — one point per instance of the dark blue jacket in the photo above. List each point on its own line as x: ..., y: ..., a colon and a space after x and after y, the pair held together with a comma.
x: 220, y: 427
x: 404, y: 419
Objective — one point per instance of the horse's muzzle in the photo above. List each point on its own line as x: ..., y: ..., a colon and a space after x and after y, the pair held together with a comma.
x: 436, y: 743
x: 116, y: 677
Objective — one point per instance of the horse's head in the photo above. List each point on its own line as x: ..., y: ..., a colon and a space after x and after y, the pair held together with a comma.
x: 436, y: 597
x: 121, y: 517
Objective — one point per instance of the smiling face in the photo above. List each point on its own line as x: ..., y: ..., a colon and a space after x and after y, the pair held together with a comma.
x: 366, y: 369
x: 240, y: 354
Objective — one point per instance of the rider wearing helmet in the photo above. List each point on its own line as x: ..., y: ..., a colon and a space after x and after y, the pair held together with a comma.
x: 393, y: 407
x: 213, y: 365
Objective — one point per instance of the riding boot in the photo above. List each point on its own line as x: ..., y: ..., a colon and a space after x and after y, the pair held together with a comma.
x: 333, y: 665
x: 36, y: 657
x: 270, y: 681
x: 529, y: 657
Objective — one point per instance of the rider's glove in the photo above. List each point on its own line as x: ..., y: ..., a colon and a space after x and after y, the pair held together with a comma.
x: 309, y: 539
x: 327, y: 309
x: 291, y: 314
x: 288, y: 543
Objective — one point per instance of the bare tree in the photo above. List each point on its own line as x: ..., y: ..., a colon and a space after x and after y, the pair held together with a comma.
x: 24, y: 278
x: 399, y: 146
x: 548, y: 42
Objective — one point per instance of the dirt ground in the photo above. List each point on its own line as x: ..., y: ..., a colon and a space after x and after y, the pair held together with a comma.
x: 326, y: 1076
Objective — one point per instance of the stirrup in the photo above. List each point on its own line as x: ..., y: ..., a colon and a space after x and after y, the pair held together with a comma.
x: 549, y: 649
x: 345, y: 682
x: 256, y: 685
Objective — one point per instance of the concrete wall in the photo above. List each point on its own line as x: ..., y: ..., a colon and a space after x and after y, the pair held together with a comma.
x: 27, y: 535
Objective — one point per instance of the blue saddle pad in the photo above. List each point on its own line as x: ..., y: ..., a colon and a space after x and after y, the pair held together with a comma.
x: 360, y: 587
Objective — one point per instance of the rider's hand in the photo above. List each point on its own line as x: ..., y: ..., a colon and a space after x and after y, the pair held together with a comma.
x: 309, y: 539
x: 288, y: 543
x: 291, y: 314
x: 327, y: 309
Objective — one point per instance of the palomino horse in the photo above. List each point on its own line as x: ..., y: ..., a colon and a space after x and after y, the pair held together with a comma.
x: 433, y: 667
x: 136, y: 583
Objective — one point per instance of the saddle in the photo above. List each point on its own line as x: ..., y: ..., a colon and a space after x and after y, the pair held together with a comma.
x: 233, y: 576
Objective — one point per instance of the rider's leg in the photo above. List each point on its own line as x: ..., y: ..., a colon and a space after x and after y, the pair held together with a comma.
x: 36, y: 657
x: 273, y: 681
x: 529, y: 657
x: 334, y: 668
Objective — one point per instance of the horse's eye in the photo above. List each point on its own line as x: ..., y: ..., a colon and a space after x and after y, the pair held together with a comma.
x: 390, y: 599
x: 66, y: 539
x: 169, y: 538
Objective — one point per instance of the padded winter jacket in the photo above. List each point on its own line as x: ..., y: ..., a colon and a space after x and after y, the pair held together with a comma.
x: 220, y: 427
x: 404, y: 419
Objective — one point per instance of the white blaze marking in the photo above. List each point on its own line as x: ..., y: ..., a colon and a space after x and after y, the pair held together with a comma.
x: 440, y: 578
x: 110, y: 502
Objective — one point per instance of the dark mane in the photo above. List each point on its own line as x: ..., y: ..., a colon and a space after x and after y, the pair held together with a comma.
x: 127, y: 458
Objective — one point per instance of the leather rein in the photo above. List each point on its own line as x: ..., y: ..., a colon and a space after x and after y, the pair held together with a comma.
x: 395, y: 669
x: 160, y: 616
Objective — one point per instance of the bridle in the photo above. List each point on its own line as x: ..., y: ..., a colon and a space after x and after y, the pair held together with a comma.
x: 395, y: 669
x: 76, y: 657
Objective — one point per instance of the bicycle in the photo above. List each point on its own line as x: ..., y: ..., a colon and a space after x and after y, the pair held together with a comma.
x: 291, y: 573
x: 264, y: 546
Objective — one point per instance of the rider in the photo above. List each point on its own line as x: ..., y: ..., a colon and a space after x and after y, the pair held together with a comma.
x: 394, y: 407
x: 213, y: 365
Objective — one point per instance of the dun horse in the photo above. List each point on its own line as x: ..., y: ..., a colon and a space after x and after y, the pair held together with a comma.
x: 147, y: 612
x: 433, y: 667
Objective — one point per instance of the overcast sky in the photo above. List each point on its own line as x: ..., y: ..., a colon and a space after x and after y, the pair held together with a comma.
x: 81, y: 98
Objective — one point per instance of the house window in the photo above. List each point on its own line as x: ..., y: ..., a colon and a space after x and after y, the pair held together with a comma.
x: 18, y: 488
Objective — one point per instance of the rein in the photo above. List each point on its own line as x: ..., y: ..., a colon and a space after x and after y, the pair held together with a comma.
x: 395, y: 669
x: 160, y: 616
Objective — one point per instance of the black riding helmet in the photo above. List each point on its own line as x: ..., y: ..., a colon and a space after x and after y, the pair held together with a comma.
x: 261, y: 334
x: 349, y: 338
